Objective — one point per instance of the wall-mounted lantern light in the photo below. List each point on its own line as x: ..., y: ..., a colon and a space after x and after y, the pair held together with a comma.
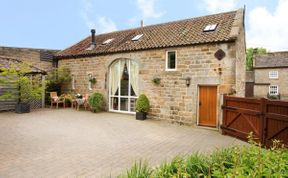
x: 188, y: 81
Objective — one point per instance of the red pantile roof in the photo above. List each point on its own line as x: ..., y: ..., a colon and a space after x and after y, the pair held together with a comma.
x: 172, y: 34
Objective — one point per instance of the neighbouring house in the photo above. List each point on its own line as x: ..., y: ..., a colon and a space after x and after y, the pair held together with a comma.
x: 196, y: 60
x: 271, y: 75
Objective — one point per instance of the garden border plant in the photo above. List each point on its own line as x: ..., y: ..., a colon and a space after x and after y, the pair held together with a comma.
x: 236, y: 161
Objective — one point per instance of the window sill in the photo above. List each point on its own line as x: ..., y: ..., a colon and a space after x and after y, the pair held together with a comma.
x: 171, y: 70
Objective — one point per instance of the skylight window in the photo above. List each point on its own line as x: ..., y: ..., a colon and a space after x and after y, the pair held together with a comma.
x: 108, y: 41
x: 211, y: 27
x: 137, y: 37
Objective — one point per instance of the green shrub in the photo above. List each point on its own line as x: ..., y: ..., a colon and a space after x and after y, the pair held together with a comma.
x: 198, y: 165
x: 177, y: 168
x: 235, y: 161
x: 142, y: 104
x: 138, y: 170
x: 221, y: 160
x: 96, y: 102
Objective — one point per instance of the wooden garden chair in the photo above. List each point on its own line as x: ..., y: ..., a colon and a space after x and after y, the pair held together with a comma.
x: 56, y: 100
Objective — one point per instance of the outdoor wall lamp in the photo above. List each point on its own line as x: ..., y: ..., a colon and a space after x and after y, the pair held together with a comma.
x: 188, y: 81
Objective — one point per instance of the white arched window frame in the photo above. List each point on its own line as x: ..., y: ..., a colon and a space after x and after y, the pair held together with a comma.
x: 115, y: 73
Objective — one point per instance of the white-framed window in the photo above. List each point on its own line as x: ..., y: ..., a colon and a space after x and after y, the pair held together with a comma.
x: 89, y: 82
x: 108, y: 41
x: 137, y: 37
x: 273, y: 75
x: 210, y: 27
x: 171, y: 61
x: 73, y: 82
x: 273, y: 90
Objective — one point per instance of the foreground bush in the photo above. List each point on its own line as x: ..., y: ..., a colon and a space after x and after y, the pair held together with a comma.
x: 236, y: 161
x: 96, y: 102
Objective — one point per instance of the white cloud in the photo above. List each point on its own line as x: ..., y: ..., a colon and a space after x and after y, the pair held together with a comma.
x: 215, y: 6
x: 269, y: 29
x: 147, y: 8
x: 101, y: 24
x: 106, y: 24
x: 86, y: 14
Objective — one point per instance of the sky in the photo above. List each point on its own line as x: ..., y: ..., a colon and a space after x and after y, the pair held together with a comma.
x: 58, y: 24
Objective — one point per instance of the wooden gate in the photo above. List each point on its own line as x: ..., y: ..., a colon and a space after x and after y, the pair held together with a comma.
x: 267, y: 119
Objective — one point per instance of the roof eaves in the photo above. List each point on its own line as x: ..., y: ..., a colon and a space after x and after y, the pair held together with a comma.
x: 74, y: 56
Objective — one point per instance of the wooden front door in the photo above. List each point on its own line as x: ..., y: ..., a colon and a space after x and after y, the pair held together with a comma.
x: 207, y: 105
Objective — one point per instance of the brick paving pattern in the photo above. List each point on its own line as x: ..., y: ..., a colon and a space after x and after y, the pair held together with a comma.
x: 69, y: 143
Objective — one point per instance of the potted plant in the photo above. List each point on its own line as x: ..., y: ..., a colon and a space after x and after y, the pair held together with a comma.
x: 67, y: 98
x: 142, y: 107
x: 156, y: 80
x: 96, y: 102
x: 93, y: 80
x: 28, y: 89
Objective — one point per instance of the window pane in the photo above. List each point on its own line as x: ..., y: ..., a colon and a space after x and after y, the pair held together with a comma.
x: 124, y: 104
x: 273, y: 90
x: 133, y: 104
x: 132, y: 91
x: 114, y: 103
x: 125, y: 82
x: 273, y: 74
x: 171, y: 60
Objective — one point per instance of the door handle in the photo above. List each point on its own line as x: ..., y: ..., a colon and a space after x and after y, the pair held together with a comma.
x: 200, y: 103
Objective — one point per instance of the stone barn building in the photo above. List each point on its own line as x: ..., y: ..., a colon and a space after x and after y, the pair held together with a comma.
x: 196, y: 60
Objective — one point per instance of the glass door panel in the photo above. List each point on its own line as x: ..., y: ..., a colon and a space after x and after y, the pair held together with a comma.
x: 124, y: 104
x: 114, y: 103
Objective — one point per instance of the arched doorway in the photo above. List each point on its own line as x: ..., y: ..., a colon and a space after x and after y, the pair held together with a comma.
x: 123, y: 85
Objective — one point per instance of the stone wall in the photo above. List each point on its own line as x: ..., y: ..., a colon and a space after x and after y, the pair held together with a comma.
x: 262, y: 82
x: 30, y: 55
x: 238, y: 32
x: 172, y: 99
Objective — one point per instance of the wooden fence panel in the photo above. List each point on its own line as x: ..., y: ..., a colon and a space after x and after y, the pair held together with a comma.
x: 241, y: 117
x: 276, y: 119
x: 267, y: 119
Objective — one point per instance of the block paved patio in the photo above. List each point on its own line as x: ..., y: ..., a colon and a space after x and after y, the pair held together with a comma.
x: 69, y: 143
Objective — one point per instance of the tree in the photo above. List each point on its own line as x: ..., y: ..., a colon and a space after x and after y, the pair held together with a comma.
x: 57, y: 77
x: 250, y: 55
